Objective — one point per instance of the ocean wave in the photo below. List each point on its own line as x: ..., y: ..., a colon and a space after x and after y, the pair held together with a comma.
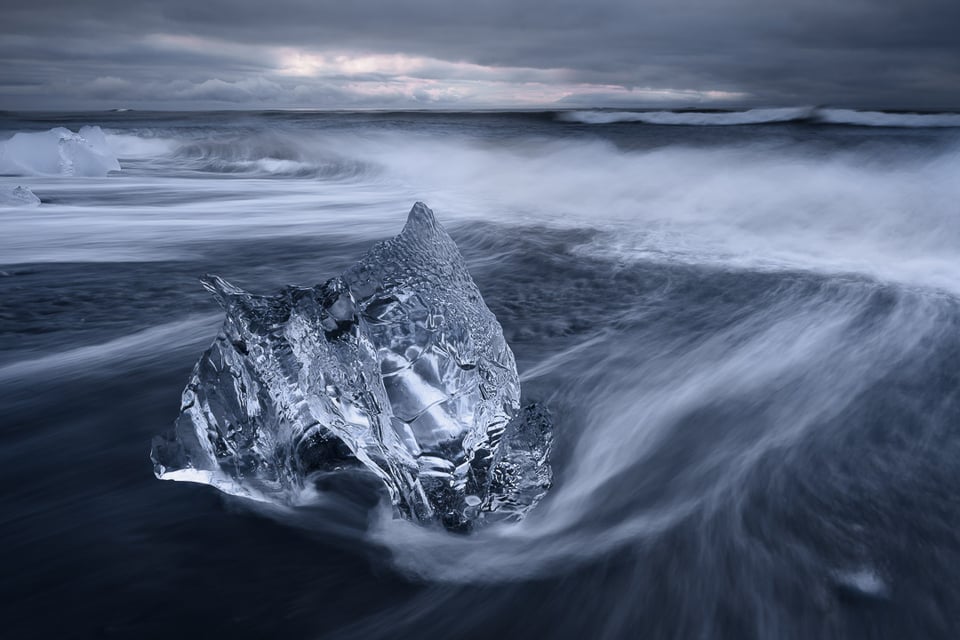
x: 766, y: 116
x: 886, y: 211
x: 888, y: 119
x: 268, y: 153
x: 691, y: 118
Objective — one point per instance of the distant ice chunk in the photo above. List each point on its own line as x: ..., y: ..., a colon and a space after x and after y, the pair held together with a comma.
x: 396, y: 365
x: 58, y: 151
x: 19, y: 197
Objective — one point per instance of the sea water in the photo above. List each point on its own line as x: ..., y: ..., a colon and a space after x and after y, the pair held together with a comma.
x: 746, y: 327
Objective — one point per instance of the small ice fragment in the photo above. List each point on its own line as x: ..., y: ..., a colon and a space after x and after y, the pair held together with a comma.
x: 18, y: 197
x: 863, y: 581
x: 397, y: 364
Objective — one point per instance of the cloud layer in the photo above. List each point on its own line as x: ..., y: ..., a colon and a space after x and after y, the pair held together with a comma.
x: 59, y: 54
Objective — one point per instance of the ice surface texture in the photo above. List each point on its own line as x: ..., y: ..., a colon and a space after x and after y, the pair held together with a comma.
x: 58, y: 151
x: 397, y: 365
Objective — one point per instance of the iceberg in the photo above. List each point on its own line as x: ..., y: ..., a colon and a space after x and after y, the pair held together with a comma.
x: 58, y: 152
x: 396, y: 366
x: 18, y: 197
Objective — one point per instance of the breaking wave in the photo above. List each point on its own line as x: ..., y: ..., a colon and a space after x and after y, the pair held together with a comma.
x: 767, y: 116
x: 888, y: 119
x: 886, y: 210
x: 691, y: 118
x: 275, y: 153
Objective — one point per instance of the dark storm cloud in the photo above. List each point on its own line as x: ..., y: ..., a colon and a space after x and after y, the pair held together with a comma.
x: 184, y: 53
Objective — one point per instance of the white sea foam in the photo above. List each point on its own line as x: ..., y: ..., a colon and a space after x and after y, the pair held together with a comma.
x: 129, y: 146
x: 58, y: 151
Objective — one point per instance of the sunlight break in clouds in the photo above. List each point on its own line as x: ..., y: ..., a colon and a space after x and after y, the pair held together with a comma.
x: 433, y: 80
x: 214, y: 72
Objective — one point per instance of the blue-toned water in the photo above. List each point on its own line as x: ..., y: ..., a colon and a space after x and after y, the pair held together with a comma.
x: 748, y: 335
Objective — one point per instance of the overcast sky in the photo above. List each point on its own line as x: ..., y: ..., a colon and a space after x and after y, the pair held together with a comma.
x: 78, y: 54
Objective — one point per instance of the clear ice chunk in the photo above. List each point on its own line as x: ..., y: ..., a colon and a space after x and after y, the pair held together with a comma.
x: 396, y: 365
